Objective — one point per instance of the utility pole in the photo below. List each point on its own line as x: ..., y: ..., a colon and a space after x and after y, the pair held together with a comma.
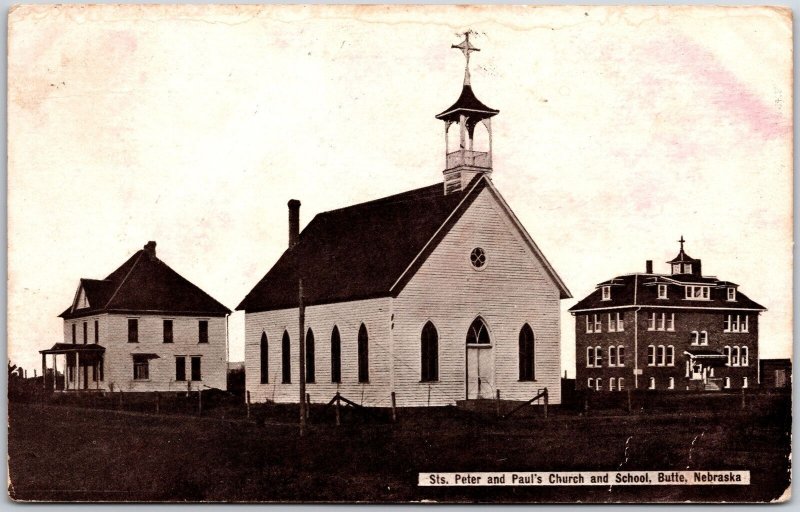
x: 302, y: 354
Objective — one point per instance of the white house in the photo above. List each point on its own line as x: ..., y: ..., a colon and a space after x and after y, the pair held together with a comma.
x: 142, y: 328
x: 437, y: 294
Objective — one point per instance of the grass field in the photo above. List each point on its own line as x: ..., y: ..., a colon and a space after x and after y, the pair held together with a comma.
x: 67, y: 453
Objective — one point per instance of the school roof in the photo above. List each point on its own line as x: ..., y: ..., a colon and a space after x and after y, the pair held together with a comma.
x: 642, y: 290
x: 145, y: 284
x: 367, y: 250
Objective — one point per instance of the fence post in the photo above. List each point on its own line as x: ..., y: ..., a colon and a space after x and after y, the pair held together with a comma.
x: 158, y: 402
x: 248, y: 405
x: 394, y: 407
x: 338, y: 418
x: 546, y: 402
x: 629, y: 401
x: 497, y: 404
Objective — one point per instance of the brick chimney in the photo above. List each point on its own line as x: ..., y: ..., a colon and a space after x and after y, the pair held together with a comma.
x: 150, y: 249
x: 294, y: 222
x: 648, y: 266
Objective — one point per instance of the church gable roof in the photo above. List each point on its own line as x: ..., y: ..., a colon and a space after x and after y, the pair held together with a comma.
x: 359, y: 252
x: 148, y: 285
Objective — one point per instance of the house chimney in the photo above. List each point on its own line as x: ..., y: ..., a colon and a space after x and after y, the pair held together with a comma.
x: 649, y: 266
x: 150, y: 249
x: 294, y: 222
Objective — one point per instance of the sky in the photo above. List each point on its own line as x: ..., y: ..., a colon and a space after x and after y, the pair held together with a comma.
x: 620, y: 129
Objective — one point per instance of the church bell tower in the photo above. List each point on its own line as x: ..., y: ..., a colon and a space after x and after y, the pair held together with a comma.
x: 463, y: 160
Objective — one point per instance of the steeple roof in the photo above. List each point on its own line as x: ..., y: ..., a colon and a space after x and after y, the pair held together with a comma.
x: 467, y: 103
x: 682, y: 257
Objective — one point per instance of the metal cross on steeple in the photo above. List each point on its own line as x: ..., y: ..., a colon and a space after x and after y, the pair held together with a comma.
x: 466, y: 48
x: 681, y: 242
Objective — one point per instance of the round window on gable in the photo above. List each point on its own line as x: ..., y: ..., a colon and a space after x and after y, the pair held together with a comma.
x: 478, y: 258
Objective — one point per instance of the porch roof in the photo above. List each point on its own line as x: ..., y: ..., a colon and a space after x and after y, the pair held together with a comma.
x: 68, y: 348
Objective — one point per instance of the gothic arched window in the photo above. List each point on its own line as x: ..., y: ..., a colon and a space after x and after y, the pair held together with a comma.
x: 286, y: 359
x: 310, y: 370
x: 264, y: 347
x: 429, y: 349
x: 363, y: 354
x: 478, y: 334
x: 336, y: 356
x: 527, y: 362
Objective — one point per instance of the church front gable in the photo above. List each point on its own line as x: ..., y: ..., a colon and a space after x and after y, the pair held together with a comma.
x: 482, y: 268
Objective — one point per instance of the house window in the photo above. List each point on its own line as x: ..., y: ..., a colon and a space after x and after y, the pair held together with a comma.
x: 598, y: 384
x: 85, y: 333
x: 671, y: 384
x: 133, y: 330
x: 611, y: 383
x: 96, y: 331
x: 704, y: 337
x: 477, y: 334
x: 731, y: 293
x: 671, y: 322
x: 652, y: 384
x: 651, y: 355
x: 141, y: 367
x: 670, y: 355
x: 429, y: 354
x: 598, y: 356
x: 744, y: 359
x: 202, y: 331
x: 727, y: 384
x: 310, y: 370
x: 74, y: 335
x: 662, y: 356
x: 363, y: 354
x: 264, y: 356
x: 590, y: 383
x: 612, y: 356
x: 697, y: 292
x: 621, y: 383
x: 286, y: 359
x: 196, y: 375
x: 180, y: 368
x: 527, y: 361
x: 662, y: 291
x: 620, y: 355
x: 336, y: 356
x: 167, y: 331
x: 606, y: 293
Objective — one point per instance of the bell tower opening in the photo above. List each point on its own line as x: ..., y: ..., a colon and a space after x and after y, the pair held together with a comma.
x: 468, y: 132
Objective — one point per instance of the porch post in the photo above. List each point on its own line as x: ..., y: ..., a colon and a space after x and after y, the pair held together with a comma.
x: 44, y: 372
x: 77, y: 371
x: 55, y: 373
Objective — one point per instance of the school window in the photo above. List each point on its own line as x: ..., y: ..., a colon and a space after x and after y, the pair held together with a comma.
x: 745, y: 327
x: 598, y: 356
x: 590, y: 357
x: 670, y: 355
x: 744, y: 359
x: 264, y: 356
x: 429, y: 354
x: 731, y: 293
x: 606, y: 293
x: 85, y: 333
x: 598, y: 384
x: 133, y: 330
x: 671, y: 322
x: 620, y: 322
x: 196, y: 375
x: 598, y: 324
x: 74, y: 335
x: 589, y: 324
x: 310, y: 369
x: 202, y: 331
x: 662, y: 356
x: 662, y: 291
x: 527, y: 362
x: 612, y: 356
x: 621, y: 383
x: 744, y: 382
x: 697, y: 292
x: 336, y: 356
x: 180, y: 368
x: 620, y: 355
x: 96, y: 331
x: 727, y: 384
x: 363, y: 354
x: 167, y: 331
x: 612, y: 324
x: 736, y: 323
x: 652, y: 383
x: 661, y: 322
x: 651, y: 355
x: 651, y: 324
x: 141, y: 367
x: 615, y: 323
x: 671, y: 384
x: 735, y: 356
x: 590, y: 383
x: 704, y: 337
x: 611, y: 383
x: 286, y: 359
x: 676, y: 268
x: 687, y: 268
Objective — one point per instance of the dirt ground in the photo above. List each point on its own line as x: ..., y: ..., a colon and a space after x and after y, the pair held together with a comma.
x: 66, y: 453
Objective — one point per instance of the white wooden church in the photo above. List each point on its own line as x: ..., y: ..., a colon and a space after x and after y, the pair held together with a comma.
x: 437, y: 294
